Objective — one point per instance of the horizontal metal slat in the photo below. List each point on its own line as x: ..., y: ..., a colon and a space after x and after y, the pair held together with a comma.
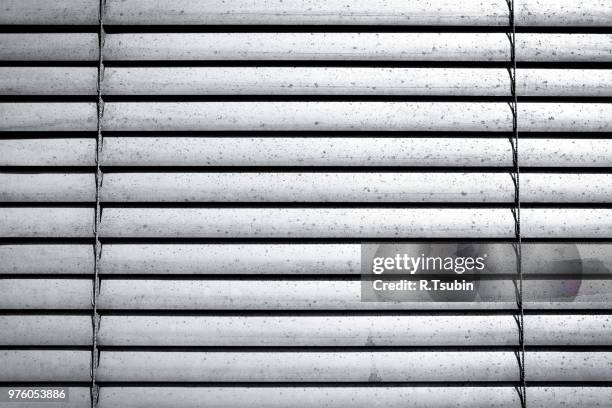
x: 345, y: 151
x: 427, y: 13
x: 353, y: 222
x: 47, y: 152
x: 304, y: 81
x: 343, y: 187
x: 47, y: 187
x: 544, y: 13
x: 45, y: 293
x: 329, y: 294
x: 335, y: 331
x: 355, y: 116
x: 351, y: 366
x: 183, y: 12
x: 368, y: 46
x: 48, y: 80
x: 68, y: 116
x: 350, y: 81
x: 325, y: 259
x: 45, y: 330
x: 295, y: 116
x: 309, y: 46
x: 60, y: 12
x: 46, y: 259
x: 45, y: 365
x: 39, y: 222
x: 357, y: 397
x: 361, y: 46
x: 298, y: 222
x: 48, y: 46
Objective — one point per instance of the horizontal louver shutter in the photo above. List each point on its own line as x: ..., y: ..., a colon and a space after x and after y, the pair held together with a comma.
x: 199, y: 176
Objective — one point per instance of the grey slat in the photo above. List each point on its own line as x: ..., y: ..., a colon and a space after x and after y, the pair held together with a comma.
x: 45, y: 294
x: 321, y: 116
x: 564, y: 82
x: 412, y: 12
x: 355, y: 116
x: 564, y: 188
x: 344, y: 151
x: 58, y: 222
x: 334, y: 46
x: 45, y: 330
x: 67, y: 116
x: 48, y: 46
x: 48, y: 80
x: 312, y: 223
x: 312, y: 259
x: 357, y: 397
x: 307, y: 366
x: 312, y: 46
x: 306, y: 187
x: 45, y: 365
x: 48, y: 187
x: 49, y: 12
x: 349, y: 187
x: 555, y: 13
x: 337, y: 81
x: 564, y: 47
x: 54, y: 258
x: 234, y: 258
x: 47, y: 152
x: 350, y: 330
x: 427, y: 13
x: 305, y: 81
x: 566, y: 223
x: 354, y: 222
x: 349, y: 366
x: 329, y: 294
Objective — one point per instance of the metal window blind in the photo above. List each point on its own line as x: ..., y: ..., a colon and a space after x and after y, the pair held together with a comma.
x: 184, y: 186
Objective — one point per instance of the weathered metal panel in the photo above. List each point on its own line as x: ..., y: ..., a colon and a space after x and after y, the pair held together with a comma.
x: 45, y: 117
x: 40, y: 222
x: 354, y: 330
x: 55, y: 12
x: 47, y: 187
x: 45, y: 365
x: 48, y: 80
x: 46, y: 259
x: 48, y: 46
x: 45, y: 293
x: 344, y: 151
x: 47, y: 152
x: 323, y: 294
x: 317, y: 222
x: 359, y: 397
x: 45, y: 330
x: 352, y: 187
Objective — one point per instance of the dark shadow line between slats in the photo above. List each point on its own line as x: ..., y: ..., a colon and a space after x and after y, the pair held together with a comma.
x: 152, y: 169
x: 362, y: 384
x: 343, y: 28
x: 342, y: 349
x: 300, y: 28
x: 341, y: 313
x: 354, y: 63
x: 285, y: 240
x: 298, y: 98
x: 348, y: 134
